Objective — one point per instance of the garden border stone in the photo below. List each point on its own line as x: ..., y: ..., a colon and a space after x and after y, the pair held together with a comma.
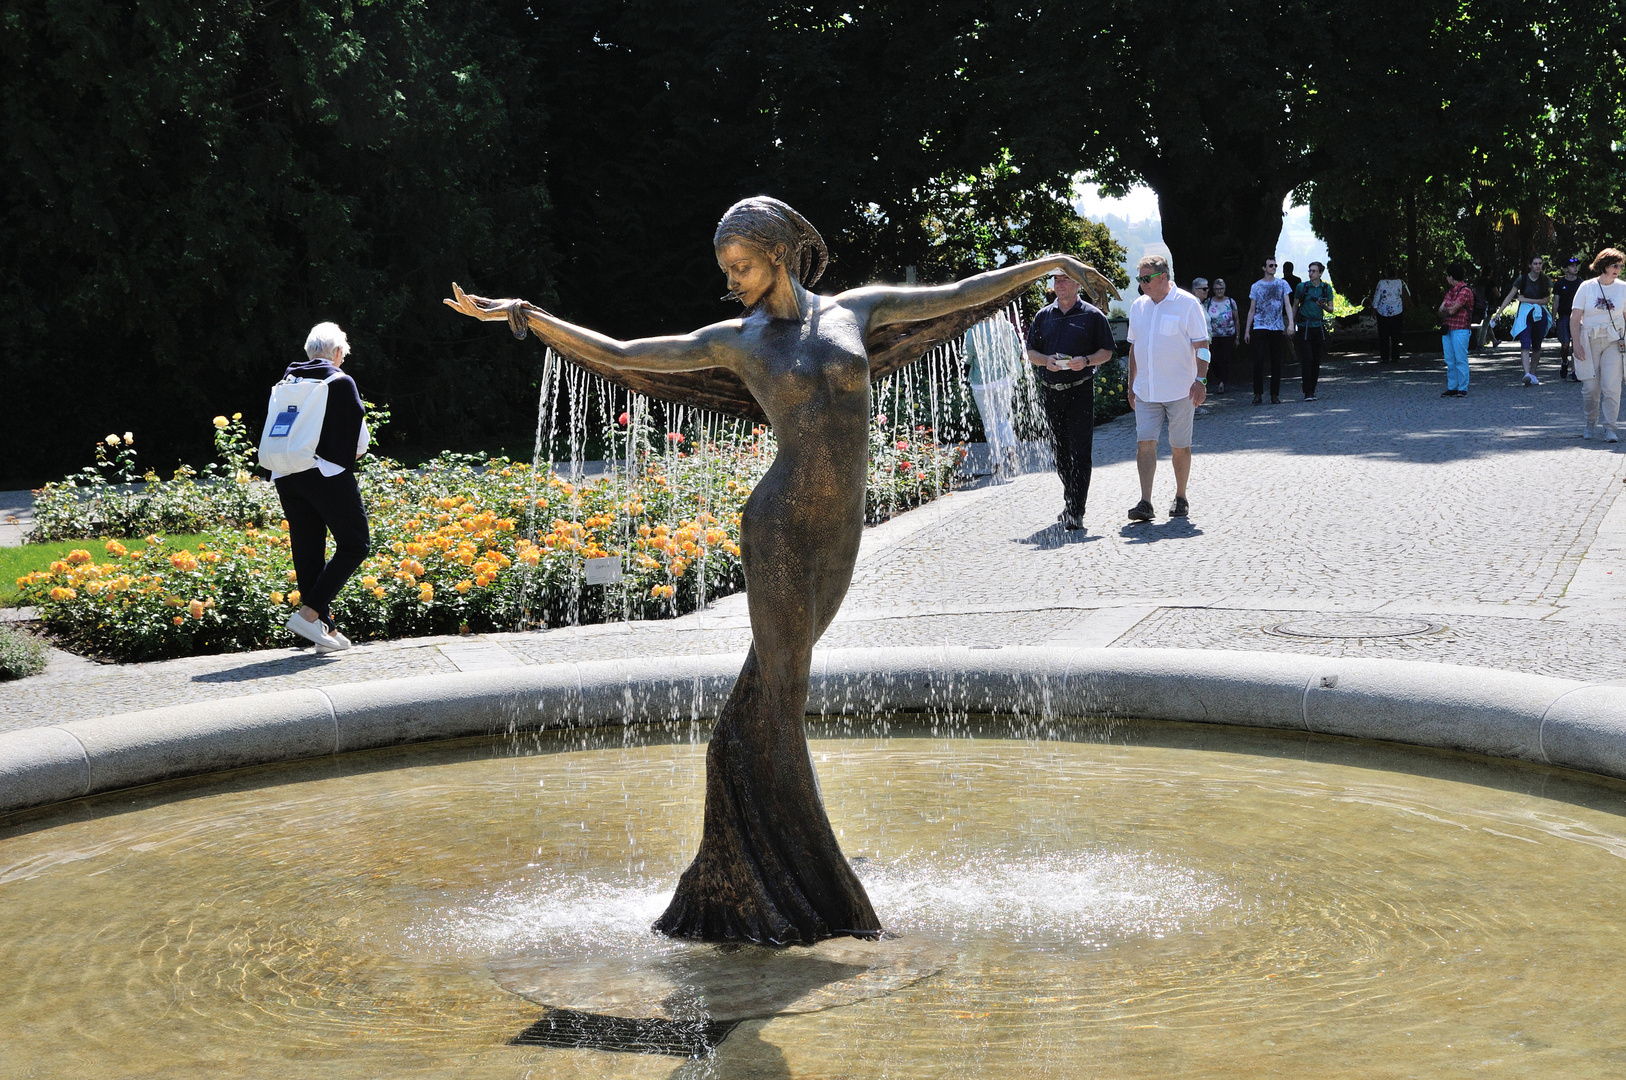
x: 1534, y: 718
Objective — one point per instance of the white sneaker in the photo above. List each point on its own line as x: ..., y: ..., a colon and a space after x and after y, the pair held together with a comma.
x: 336, y: 634
x: 313, y: 632
x: 1589, y: 432
x: 1611, y: 437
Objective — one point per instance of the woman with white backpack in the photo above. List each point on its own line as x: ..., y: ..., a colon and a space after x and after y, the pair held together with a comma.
x: 314, y: 432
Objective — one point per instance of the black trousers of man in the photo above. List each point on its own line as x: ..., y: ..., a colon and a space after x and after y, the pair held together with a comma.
x: 1267, y: 344
x: 1312, y: 347
x: 314, y: 506
x: 1389, y: 337
x: 1071, y: 413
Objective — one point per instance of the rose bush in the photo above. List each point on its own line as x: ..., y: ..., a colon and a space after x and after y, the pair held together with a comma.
x: 463, y: 544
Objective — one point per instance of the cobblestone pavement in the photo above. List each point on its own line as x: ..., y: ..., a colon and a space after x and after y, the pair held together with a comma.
x: 1486, y: 518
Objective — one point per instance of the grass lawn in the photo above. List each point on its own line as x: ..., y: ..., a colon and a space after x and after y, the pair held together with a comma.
x: 17, y: 561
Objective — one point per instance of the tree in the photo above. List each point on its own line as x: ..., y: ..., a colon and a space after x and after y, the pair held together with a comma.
x: 192, y: 186
x: 1270, y: 96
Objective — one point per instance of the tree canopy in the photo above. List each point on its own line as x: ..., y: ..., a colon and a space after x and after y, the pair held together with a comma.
x: 191, y: 186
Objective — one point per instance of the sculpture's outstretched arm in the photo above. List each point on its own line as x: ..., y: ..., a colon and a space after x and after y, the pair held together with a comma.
x: 705, y: 348
x: 890, y: 304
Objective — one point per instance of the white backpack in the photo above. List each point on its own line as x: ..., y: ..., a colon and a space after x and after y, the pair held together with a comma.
x: 293, y: 424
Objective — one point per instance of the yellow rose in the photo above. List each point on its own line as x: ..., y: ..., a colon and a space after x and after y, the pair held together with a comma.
x: 234, y: 416
x: 220, y: 422
x: 276, y: 598
x: 379, y: 592
x: 129, y: 439
x: 426, y: 593
x: 293, y: 598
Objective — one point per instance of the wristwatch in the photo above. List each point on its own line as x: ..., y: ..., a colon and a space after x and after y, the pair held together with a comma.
x: 1203, y: 379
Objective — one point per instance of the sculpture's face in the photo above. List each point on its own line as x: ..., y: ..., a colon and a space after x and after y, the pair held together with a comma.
x: 751, y: 272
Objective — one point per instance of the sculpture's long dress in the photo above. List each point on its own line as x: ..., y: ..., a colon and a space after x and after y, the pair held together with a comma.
x: 769, y: 867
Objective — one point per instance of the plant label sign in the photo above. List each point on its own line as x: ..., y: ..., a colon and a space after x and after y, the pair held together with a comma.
x: 606, y: 571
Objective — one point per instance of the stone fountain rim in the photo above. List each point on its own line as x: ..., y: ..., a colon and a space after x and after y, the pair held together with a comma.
x: 1503, y: 714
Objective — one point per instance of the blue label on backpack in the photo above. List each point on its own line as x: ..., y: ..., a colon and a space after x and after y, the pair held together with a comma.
x: 283, y: 423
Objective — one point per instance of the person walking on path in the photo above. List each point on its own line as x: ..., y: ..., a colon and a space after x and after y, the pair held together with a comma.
x: 1390, y: 298
x: 1224, y: 331
x: 1291, y: 340
x: 1168, y: 378
x: 1535, y: 292
x: 1270, y: 315
x: 1598, y: 328
x: 1456, y: 311
x: 1068, y: 340
x: 992, y: 351
x: 1563, y: 305
x: 1313, y: 301
x: 326, y: 498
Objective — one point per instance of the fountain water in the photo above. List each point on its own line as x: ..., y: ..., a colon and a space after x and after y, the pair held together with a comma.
x: 1131, y: 899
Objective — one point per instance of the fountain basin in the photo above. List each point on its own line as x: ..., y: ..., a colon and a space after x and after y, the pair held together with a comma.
x: 1110, y: 897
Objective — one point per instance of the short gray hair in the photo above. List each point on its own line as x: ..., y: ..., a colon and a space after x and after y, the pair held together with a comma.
x: 1157, y: 264
x: 324, y: 338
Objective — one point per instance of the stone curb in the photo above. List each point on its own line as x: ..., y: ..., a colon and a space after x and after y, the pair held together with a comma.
x: 1501, y: 714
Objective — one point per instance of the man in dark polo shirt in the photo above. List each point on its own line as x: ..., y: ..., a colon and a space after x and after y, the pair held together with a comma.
x: 1069, y: 339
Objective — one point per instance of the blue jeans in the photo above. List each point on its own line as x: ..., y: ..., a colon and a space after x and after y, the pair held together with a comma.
x: 1455, y: 343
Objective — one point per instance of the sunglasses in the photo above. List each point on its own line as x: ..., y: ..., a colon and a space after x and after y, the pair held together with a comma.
x: 1147, y: 278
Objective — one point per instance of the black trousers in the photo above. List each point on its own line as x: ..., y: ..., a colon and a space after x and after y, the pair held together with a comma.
x: 1267, y: 343
x: 314, y: 506
x: 1312, y: 347
x: 1072, y: 435
x: 1389, y: 337
x: 1220, y: 351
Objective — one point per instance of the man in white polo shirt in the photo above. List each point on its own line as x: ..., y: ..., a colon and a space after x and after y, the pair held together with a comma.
x: 1168, y: 377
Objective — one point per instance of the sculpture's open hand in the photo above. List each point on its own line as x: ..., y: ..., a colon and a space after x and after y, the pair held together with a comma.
x: 479, y: 307
x: 1096, y: 285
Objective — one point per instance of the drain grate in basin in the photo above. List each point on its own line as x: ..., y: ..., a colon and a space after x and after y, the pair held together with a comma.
x: 1353, y: 626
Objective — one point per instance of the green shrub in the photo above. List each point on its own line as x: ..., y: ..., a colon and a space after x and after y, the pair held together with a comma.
x: 21, y: 654
x: 113, y: 497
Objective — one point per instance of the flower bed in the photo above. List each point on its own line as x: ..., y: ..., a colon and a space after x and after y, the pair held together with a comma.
x: 464, y: 544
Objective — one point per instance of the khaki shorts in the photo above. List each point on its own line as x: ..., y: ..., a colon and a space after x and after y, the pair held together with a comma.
x: 1150, y: 415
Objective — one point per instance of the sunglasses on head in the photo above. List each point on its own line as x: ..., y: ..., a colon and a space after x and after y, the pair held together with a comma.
x: 1147, y: 278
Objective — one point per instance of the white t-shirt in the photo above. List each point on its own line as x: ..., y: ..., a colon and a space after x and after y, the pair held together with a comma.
x: 1165, y: 335
x: 1592, y: 312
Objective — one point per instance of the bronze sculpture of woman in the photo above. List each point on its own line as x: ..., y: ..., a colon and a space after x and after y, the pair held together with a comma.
x: 769, y: 868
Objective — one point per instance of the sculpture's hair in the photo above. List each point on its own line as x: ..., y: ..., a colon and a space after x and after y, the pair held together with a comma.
x: 764, y: 223
x: 324, y: 338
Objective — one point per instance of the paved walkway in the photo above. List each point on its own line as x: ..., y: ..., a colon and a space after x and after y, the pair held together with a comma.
x: 1478, y: 531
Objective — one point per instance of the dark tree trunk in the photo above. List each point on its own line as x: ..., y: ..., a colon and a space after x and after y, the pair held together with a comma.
x: 1213, y: 228
x: 1413, y: 269
x: 769, y: 868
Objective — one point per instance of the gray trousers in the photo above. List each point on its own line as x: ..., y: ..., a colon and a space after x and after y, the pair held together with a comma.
x: 1600, y: 395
